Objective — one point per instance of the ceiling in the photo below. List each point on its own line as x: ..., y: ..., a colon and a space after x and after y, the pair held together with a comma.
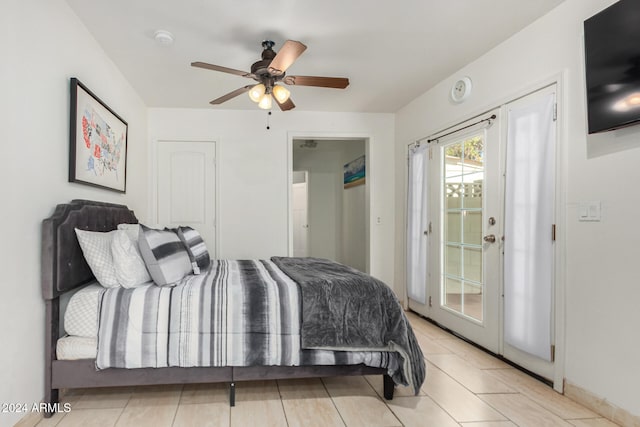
x: 391, y: 51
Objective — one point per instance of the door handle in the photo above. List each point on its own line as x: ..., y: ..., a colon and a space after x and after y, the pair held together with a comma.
x: 490, y: 238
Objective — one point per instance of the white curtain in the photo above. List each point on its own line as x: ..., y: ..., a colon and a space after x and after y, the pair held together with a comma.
x: 528, y: 245
x: 417, y: 224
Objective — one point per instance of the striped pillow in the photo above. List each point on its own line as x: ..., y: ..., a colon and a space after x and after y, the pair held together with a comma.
x: 164, y: 254
x: 198, y: 253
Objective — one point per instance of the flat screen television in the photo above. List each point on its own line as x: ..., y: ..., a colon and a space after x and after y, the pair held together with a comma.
x: 612, y: 65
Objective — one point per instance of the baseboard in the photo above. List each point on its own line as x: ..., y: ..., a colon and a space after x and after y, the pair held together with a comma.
x: 601, y: 406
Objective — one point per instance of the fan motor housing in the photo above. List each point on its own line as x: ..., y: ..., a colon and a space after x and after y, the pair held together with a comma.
x: 260, y: 69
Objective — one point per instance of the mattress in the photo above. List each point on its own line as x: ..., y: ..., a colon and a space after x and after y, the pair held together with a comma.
x: 81, y: 316
x: 74, y: 348
x: 81, y: 341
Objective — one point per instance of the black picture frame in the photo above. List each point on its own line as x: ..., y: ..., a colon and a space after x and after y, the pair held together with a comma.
x: 97, y: 141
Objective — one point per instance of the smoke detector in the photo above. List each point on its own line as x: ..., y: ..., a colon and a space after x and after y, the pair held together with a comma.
x: 163, y: 37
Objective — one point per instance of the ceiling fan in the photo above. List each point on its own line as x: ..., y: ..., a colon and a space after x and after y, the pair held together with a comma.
x: 270, y: 71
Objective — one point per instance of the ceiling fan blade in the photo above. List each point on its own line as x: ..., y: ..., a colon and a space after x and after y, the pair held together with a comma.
x: 333, y: 82
x: 286, y: 105
x: 220, y: 68
x: 230, y: 95
x: 289, y: 52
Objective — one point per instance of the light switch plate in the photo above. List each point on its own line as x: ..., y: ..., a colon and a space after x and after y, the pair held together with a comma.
x: 589, y: 211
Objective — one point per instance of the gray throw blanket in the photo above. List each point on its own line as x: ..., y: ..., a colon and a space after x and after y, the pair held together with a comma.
x: 345, y: 309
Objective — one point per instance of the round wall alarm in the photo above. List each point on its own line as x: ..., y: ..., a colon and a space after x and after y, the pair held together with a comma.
x: 461, y: 89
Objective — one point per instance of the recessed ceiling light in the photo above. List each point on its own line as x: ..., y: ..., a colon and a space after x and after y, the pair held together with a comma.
x: 163, y: 37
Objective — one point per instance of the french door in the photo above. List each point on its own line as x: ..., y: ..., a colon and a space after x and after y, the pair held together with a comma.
x: 464, y: 232
x: 530, y: 232
x: 489, y: 231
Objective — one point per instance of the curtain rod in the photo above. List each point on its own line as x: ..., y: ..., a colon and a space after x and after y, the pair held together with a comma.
x: 493, y: 116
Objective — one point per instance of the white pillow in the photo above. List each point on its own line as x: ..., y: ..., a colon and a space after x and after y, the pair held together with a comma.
x: 133, y: 230
x: 96, y: 248
x: 129, y: 266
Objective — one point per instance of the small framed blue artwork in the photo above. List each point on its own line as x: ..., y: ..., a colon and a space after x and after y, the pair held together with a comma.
x: 354, y: 172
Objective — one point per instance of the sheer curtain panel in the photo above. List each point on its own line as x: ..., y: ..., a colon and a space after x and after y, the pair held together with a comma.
x: 529, y: 208
x: 417, y: 224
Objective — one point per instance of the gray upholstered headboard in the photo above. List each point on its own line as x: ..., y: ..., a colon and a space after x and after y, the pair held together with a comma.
x: 63, y: 265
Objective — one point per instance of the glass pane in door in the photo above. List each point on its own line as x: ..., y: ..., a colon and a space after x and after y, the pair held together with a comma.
x: 463, y: 177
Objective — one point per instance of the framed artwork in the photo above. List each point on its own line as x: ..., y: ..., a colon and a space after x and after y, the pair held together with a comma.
x: 354, y: 172
x: 98, y: 142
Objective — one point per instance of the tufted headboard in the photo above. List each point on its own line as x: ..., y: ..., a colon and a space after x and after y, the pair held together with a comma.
x: 63, y: 264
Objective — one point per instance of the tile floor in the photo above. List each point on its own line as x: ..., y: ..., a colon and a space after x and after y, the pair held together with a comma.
x: 464, y: 387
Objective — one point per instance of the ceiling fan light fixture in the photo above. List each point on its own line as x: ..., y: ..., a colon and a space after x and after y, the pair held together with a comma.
x: 281, y: 93
x: 265, y: 102
x: 271, y: 69
x: 256, y: 92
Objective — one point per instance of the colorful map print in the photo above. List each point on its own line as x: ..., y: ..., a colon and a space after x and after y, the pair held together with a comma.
x: 104, y: 147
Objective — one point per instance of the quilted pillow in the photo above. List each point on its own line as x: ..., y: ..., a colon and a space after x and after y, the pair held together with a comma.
x: 164, y: 255
x: 198, y: 253
x: 128, y: 263
x: 96, y: 247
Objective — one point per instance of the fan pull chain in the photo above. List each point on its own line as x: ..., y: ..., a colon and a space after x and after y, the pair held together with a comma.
x: 268, y: 115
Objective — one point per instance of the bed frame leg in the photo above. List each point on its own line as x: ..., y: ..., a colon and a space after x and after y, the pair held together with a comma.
x: 51, y: 398
x: 232, y: 394
x: 52, y: 315
x: 389, y: 387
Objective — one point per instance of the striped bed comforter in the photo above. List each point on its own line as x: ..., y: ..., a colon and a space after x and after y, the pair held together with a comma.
x: 236, y: 313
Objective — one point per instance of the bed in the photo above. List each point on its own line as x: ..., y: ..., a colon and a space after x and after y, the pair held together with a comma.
x: 65, y: 271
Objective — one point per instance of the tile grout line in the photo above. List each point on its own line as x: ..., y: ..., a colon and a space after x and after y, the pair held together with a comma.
x: 383, y: 399
x: 333, y: 402
x: 175, y: 412
x: 284, y: 411
x: 133, y: 390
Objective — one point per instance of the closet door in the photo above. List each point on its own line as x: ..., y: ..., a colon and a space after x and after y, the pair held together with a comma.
x: 186, y: 187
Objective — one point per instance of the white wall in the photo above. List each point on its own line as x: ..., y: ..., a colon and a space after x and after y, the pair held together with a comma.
x: 354, y: 227
x: 354, y: 231
x: 602, y: 291
x: 253, y: 168
x: 42, y: 45
x: 325, y: 197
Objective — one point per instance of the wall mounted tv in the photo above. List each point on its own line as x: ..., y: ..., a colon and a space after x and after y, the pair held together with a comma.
x: 612, y: 65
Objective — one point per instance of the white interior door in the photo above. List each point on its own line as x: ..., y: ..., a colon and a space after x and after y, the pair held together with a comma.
x: 186, y: 187
x: 300, y: 206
